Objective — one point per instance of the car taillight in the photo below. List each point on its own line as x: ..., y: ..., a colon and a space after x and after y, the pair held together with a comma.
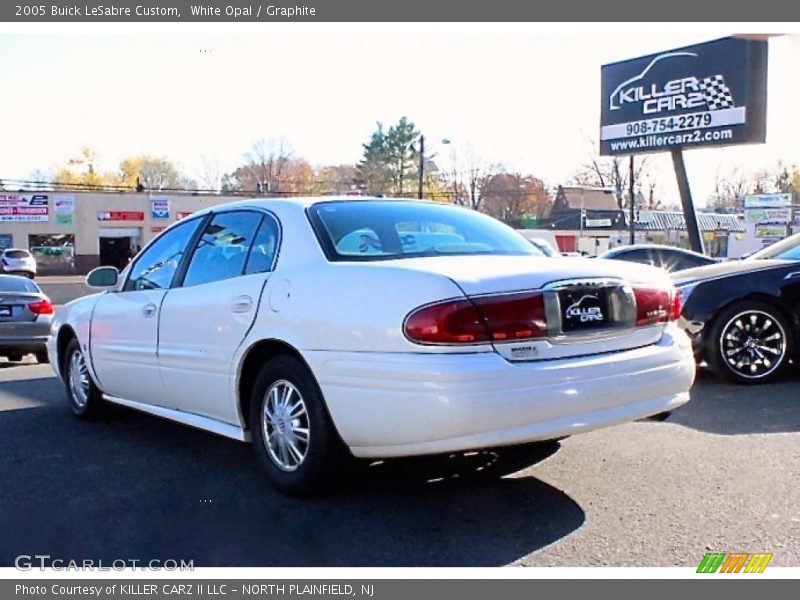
x: 656, y: 305
x: 499, y: 318
x: 455, y: 322
x: 42, y: 307
x: 513, y: 316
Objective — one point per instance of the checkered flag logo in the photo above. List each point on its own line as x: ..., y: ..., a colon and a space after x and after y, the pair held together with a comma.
x: 716, y: 93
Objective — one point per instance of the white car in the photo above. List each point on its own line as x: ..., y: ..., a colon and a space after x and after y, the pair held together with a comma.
x: 16, y: 261
x: 326, y: 328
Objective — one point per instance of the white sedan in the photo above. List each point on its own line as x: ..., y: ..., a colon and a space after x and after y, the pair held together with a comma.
x: 321, y: 329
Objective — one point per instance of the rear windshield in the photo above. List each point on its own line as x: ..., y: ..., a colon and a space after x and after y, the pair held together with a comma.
x: 379, y: 230
x: 17, y: 254
x: 17, y: 284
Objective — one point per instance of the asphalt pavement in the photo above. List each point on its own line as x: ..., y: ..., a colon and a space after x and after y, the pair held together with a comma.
x: 721, y: 475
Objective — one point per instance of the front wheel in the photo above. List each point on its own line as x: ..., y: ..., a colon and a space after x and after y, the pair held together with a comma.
x: 85, y: 399
x: 293, y: 436
x: 750, y: 342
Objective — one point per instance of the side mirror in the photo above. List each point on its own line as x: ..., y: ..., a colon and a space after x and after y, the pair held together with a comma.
x: 102, y: 277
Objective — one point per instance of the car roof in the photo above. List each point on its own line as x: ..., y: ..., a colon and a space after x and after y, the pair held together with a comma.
x: 304, y: 202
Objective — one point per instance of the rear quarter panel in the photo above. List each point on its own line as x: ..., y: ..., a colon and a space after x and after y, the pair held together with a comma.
x: 349, y: 307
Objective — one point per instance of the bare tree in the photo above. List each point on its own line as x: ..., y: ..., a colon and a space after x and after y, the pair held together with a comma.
x: 730, y: 189
x: 612, y: 172
x: 210, y: 174
x: 268, y: 159
x: 468, y: 176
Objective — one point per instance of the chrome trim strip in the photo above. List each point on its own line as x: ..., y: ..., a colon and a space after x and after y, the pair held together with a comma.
x: 186, y: 418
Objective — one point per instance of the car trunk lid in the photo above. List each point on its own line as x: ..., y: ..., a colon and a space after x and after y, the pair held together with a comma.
x: 590, y: 306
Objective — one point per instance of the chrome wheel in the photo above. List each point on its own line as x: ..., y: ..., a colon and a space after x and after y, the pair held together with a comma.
x: 753, y: 344
x: 285, y: 425
x: 78, y: 379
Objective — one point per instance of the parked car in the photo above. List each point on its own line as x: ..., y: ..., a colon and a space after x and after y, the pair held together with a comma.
x: 318, y: 348
x: 666, y: 257
x: 25, y: 318
x: 16, y: 261
x: 744, y: 316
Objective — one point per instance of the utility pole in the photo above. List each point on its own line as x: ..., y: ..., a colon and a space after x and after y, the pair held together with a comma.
x: 421, y: 165
x: 632, y: 223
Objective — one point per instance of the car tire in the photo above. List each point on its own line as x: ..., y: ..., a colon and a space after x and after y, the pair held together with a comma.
x: 84, y: 397
x: 750, y: 342
x: 41, y: 356
x: 296, y: 445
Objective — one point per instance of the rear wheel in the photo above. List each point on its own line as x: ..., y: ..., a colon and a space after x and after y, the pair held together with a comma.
x: 750, y: 342
x: 85, y: 398
x: 293, y: 436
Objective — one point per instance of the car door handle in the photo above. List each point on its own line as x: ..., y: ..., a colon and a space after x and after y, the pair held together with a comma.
x: 242, y: 304
x: 148, y: 310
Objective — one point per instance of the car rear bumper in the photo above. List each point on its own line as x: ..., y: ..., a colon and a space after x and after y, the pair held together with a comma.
x: 25, y: 336
x: 22, y: 344
x: 387, y: 405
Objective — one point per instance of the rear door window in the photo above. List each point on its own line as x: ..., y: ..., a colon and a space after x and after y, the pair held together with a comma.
x: 222, y: 250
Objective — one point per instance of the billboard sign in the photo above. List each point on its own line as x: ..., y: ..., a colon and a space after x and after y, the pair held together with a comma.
x: 708, y: 94
x: 768, y: 201
x: 771, y: 231
x: 24, y: 208
x: 64, y: 204
x: 120, y: 215
x: 764, y: 216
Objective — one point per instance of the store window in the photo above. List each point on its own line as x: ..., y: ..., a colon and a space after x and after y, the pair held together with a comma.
x: 54, y: 253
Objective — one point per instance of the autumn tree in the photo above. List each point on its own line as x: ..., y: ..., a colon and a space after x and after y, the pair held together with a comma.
x: 81, y: 170
x: 512, y: 196
x: 335, y: 179
x: 153, y: 173
x: 271, y: 169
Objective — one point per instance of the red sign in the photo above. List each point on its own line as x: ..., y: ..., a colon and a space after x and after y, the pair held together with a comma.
x: 24, y: 208
x: 182, y: 215
x: 157, y: 229
x: 120, y: 215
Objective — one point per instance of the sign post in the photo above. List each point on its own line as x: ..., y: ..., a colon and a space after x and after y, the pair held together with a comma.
x: 689, y: 212
x: 709, y: 94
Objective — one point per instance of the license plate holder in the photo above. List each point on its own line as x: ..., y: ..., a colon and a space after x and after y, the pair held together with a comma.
x: 584, y: 309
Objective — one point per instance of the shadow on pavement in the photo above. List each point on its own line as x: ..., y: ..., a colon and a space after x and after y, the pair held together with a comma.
x: 730, y: 409
x: 137, y: 487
